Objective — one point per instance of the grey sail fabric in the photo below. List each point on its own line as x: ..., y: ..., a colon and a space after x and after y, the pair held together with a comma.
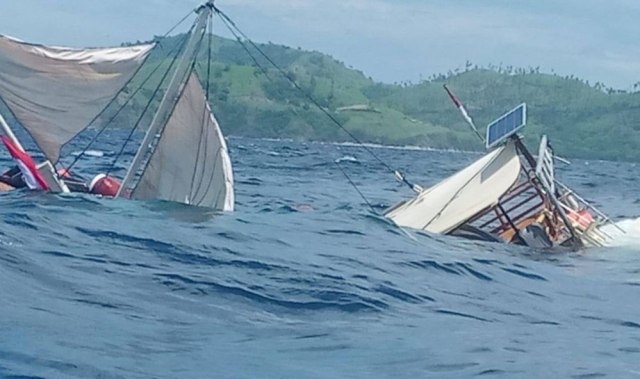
x: 54, y: 92
x: 190, y: 163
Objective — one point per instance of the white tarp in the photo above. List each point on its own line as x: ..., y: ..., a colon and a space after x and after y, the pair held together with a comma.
x: 54, y: 92
x: 190, y: 163
x: 450, y: 203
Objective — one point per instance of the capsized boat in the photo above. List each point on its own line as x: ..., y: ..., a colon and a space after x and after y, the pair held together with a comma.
x: 508, y: 195
x: 55, y: 93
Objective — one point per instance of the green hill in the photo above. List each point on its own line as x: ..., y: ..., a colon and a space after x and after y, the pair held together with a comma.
x: 582, y: 120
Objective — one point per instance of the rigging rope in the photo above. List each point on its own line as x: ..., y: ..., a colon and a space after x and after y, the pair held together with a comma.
x: 115, y: 115
x: 111, y: 102
x: 237, y: 32
x: 229, y: 23
x: 187, y: 75
x: 108, y: 123
x: 270, y: 79
x: 203, y: 125
x: 174, y: 27
x: 150, y: 101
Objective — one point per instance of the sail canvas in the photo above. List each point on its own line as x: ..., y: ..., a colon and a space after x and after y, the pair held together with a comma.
x: 448, y: 204
x: 55, y: 92
x: 190, y: 163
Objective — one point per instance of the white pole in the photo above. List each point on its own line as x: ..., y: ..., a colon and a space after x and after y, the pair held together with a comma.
x: 180, y: 77
x: 9, y: 133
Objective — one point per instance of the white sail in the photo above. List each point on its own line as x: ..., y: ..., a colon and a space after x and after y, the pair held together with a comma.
x: 190, y: 163
x: 55, y: 92
x: 450, y: 203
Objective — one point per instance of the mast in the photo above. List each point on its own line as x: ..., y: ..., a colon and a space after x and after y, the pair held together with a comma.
x: 170, y: 97
x: 9, y: 133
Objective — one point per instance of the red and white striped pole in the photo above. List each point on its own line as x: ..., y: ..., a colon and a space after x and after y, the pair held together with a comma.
x: 465, y: 115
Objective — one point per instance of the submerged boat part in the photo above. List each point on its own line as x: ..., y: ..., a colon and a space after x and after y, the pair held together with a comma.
x: 450, y: 203
x: 55, y: 93
x: 507, y: 195
x: 190, y: 163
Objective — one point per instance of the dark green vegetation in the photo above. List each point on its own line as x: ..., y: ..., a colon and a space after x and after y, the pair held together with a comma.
x: 582, y: 120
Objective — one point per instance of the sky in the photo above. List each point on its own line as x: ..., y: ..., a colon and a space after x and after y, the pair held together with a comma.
x: 389, y: 40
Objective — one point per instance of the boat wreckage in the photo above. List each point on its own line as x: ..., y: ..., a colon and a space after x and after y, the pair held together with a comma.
x: 508, y: 195
x: 55, y: 93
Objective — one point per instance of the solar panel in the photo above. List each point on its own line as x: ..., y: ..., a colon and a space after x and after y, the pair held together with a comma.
x: 507, y: 125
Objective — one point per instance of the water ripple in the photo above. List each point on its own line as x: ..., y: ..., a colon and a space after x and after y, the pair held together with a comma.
x: 304, y: 280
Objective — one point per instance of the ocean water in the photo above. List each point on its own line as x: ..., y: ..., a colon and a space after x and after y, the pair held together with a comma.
x: 305, y: 281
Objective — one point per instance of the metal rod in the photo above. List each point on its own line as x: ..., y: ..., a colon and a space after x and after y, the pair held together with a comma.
x: 513, y: 226
x: 462, y: 110
x: 9, y: 133
x: 166, y: 105
x: 592, y: 207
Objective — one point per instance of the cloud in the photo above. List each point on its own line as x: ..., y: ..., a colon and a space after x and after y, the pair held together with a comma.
x: 391, y: 40
x: 406, y: 39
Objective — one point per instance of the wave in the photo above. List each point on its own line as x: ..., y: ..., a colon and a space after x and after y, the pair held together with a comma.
x: 347, y: 158
x: 356, y: 144
x: 401, y: 147
x: 624, y: 233
x: 303, y: 272
x: 92, y: 153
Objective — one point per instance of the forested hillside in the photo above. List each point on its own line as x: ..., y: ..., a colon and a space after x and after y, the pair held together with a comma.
x: 583, y: 120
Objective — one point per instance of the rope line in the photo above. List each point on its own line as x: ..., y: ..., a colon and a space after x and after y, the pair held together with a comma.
x: 237, y: 33
x: 233, y: 28
x: 170, y: 114
x: 203, y: 122
x: 115, y: 115
x: 150, y: 101
x: 268, y: 77
x: 108, y: 123
x: 176, y: 26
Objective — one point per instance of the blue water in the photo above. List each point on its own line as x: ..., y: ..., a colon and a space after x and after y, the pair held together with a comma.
x: 305, y: 281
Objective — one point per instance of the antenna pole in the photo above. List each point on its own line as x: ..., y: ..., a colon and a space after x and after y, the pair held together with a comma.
x: 465, y: 115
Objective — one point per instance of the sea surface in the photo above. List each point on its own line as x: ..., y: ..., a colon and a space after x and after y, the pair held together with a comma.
x: 305, y: 280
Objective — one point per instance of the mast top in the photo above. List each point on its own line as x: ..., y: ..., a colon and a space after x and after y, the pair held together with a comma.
x: 207, y: 5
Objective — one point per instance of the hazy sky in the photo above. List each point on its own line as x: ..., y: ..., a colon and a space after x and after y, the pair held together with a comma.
x: 390, y: 40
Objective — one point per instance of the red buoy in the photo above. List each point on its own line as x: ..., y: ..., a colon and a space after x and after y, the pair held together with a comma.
x: 104, y: 185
